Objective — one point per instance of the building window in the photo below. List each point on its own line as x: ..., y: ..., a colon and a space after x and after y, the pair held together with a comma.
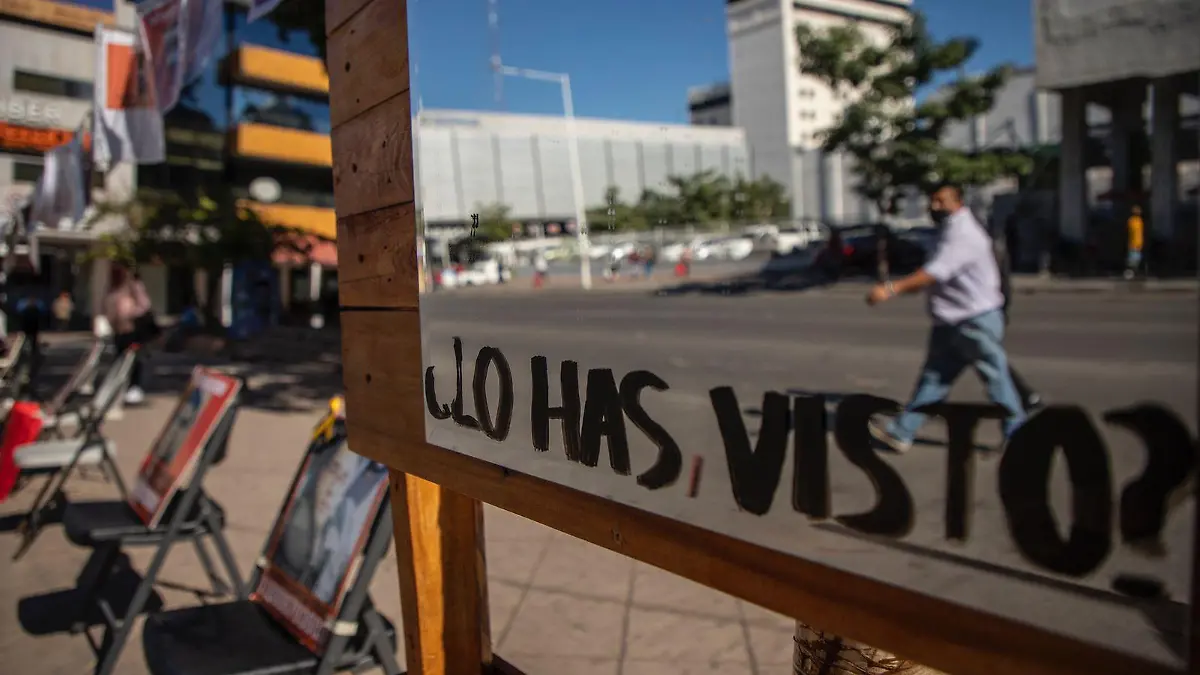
x: 259, y: 106
x: 51, y: 85
x: 267, y: 34
x: 26, y: 172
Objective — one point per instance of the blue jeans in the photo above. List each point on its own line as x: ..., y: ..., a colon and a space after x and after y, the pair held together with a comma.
x: 977, y: 342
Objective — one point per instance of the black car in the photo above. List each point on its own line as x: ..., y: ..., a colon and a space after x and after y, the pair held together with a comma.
x: 853, y: 251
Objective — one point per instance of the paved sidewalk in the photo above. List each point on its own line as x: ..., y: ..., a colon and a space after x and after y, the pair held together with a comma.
x: 558, y: 606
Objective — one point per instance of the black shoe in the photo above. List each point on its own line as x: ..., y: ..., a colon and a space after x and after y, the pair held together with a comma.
x: 1033, y: 403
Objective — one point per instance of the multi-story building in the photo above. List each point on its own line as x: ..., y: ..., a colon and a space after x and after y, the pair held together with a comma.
x: 711, y: 105
x: 469, y: 160
x: 47, y: 65
x: 782, y: 109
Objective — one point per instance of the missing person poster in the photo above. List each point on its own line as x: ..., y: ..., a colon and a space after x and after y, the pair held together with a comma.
x: 200, y: 410
x: 316, y: 545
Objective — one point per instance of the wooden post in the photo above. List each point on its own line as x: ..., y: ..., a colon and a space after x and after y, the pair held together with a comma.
x: 439, y: 533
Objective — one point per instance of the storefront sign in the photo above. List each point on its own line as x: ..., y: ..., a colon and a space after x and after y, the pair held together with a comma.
x: 35, y: 139
x: 30, y: 111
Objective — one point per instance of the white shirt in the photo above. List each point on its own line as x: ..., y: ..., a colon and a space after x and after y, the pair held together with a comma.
x: 968, y: 279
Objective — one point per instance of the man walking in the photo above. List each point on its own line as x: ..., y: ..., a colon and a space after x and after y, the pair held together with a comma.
x: 966, y: 304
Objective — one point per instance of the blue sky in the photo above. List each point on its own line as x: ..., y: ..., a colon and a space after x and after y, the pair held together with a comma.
x: 628, y: 59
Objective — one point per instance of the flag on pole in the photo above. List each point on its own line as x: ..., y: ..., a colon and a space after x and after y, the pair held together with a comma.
x: 160, y: 23
x: 60, y: 196
x: 261, y: 8
x: 128, y: 125
x: 202, y: 24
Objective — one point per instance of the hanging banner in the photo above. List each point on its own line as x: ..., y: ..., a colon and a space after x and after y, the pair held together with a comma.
x: 261, y: 8
x: 202, y: 30
x: 128, y: 125
x: 162, y: 32
x: 316, y: 544
x: 61, y: 194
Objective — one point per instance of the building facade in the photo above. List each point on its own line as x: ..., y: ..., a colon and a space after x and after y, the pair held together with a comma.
x: 711, y: 105
x: 782, y: 109
x: 47, y: 68
x: 1140, y: 60
x: 466, y: 161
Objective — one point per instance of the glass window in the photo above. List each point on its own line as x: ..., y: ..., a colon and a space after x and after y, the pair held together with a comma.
x: 265, y: 33
x: 51, y: 85
x: 26, y: 172
x: 279, y: 109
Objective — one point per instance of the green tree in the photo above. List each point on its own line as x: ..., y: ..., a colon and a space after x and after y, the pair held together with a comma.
x: 895, y: 140
x: 757, y: 200
x: 615, y: 215
x: 201, y: 231
x: 495, y: 222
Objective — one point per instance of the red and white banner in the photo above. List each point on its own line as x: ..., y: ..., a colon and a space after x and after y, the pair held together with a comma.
x: 162, y: 32
x: 128, y: 125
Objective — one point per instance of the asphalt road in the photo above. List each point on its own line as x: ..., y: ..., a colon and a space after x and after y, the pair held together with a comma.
x: 1101, y: 351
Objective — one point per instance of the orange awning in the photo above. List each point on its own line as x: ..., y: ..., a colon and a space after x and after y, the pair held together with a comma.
x: 305, y: 249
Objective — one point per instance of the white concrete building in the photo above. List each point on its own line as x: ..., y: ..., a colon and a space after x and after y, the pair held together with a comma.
x: 782, y: 109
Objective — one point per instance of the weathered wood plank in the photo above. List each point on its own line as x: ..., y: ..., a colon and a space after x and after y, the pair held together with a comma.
x: 372, y: 157
x: 369, y: 53
x: 337, y: 12
x: 439, y: 536
x: 928, y: 630
x: 381, y: 372
x: 377, y: 258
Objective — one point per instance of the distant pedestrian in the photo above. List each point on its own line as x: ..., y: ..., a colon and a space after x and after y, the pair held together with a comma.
x: 63, y: 309
x: 650, y: 260
x: 966, y: 304
x: 125, y: 306
x: 541, y: 269
x: 1136, y: 230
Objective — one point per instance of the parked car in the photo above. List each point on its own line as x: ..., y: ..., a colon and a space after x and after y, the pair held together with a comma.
x: 853, y: 251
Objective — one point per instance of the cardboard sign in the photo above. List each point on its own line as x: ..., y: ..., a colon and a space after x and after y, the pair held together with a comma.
x: 200, y: 410
x: 317, y: 543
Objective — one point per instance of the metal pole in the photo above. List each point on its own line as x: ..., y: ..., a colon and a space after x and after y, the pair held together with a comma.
x: 581, y: 225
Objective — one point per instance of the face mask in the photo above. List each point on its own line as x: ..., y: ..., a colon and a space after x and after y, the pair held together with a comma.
x: 938, y: 216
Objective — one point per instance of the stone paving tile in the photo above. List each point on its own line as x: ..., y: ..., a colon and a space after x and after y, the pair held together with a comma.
x: 657, y: 635
x: 561, y: 624
x: 631, y: 667
x: 654, y: 588
x: 563, y: 665
x: 583, y: 568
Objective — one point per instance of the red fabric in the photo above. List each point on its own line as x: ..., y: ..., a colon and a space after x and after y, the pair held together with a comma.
x: 24, y: 425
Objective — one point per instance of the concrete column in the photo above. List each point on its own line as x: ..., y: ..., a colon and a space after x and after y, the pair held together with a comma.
x: 1164, y: 167
x: 1072, y: 180
x: 1128, y: 123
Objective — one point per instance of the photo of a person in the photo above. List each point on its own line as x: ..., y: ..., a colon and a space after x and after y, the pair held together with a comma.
x: 330, y: 506
x: 173, y: 438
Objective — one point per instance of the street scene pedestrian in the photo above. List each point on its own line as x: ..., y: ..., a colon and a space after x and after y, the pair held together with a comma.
x: 125, y: 305
x: 966, y: 305
x: 1136, y: 231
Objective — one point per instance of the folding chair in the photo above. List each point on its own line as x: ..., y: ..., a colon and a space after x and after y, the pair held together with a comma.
x: 57, y: 458
x: 109, y: 527
x: 11, y: 370
x: 242, y: 637
x: 66, y: 406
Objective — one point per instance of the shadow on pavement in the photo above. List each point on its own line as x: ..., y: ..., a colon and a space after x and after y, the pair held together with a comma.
x: 57, y: 611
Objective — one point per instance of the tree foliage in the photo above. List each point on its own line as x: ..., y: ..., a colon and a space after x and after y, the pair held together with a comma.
x: 896, y: 142
x: 306, y: 16
x: 704, y: 198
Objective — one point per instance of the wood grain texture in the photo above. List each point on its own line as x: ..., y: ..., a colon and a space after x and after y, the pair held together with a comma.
x: 370, y: 55
x: 377, y: 258
x: 438, y: 535
x: 381, y: 373
x: 338, y: 12
x: 933, y: 632
x: 372, y: 157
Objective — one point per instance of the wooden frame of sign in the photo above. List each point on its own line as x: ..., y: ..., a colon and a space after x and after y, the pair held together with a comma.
x: 438, y: 494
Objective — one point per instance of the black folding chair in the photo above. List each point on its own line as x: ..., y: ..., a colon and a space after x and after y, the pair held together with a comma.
x: 109, y: 527
x: 56, y: 459
x: 243, y: 638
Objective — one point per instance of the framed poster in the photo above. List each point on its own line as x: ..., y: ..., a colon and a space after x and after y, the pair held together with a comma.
x: 199, y: 411
x: 315, y: 548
